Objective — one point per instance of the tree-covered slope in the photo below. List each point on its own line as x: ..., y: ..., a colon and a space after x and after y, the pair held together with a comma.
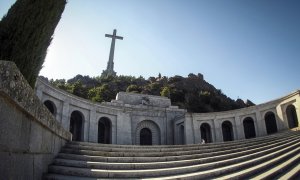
x: 192, y: 93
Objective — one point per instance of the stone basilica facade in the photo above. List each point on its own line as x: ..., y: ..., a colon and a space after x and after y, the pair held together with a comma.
x: 137, y: 119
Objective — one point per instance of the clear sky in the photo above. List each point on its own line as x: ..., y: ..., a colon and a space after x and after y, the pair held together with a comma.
x: 247, y: 48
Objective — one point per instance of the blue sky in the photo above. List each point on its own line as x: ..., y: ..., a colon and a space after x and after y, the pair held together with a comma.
x: 247, y: 48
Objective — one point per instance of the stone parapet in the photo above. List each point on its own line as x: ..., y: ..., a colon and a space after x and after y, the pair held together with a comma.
x: 30, y: 137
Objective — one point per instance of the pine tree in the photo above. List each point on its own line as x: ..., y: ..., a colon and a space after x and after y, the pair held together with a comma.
x: 26, y: 32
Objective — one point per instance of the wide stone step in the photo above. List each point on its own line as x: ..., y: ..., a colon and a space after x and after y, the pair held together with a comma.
x: 175, y: 149
x: 284, y: 170
x: 207, y: 156
x: 292, y: 173
x: 221, y: 149
x: 253, y: 152
x: 161, y: 148
x: 268, y: 169
x: 242, y: 170
x: 168, y: 158
x: 206, y: 170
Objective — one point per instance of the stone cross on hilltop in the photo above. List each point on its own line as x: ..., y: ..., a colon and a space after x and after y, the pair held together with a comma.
x: 110, y: 65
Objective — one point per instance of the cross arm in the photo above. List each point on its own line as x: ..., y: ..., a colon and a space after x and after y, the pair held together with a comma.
x: 119, y: 37
x: 112, y: 36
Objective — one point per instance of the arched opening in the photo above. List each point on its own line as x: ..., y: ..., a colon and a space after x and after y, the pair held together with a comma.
x: 151, y: 130
x: 181, y: 134
x: 50, y: 106
x: 104, y: 131
x: 206, y: 132
x: 76, y: 127
x: 292, y: 116
x: 249, y: 128
x: 145, y: 137
x: 270, y: 121
x: 227, y: 131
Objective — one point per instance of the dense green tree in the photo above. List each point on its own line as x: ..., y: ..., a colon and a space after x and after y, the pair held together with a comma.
x: 26, y: 32
x: 165, y: 91
x: 58, y: 82
x: 133, y: 88
x: 177, y: 96
x: 100, y: 94
x: 154, y: 88
x: 79, y: 90
x: 94, y: 94
x: 106, y: 94
x: 86, y: 80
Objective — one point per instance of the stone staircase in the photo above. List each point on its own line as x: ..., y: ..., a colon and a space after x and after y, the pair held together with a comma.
x: 275, y: 156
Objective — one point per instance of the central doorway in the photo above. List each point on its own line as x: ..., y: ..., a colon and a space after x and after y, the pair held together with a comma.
x: 249, y: 128
x: 206, y: 132
x: 270, y: 122
x: 104, y: 131
x: 145, y: 137
x: 227, y: 131
x: 76, y: 122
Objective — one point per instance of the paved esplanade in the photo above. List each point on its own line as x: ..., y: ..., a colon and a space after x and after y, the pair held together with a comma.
x: 110, y: 65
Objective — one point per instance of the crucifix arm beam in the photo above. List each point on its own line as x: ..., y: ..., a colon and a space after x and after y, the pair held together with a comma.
x: 112, y: 36
x: 119, y: 37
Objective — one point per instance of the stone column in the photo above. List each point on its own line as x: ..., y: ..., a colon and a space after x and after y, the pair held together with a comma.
x: 93, y: 127
x: 260, y: 125
x: 239, y: 127
x: 170, y: 115
x: 283, y: 120
x: 213, y: 131
x: 235, y: 130
x: 123, y: 132
x: 86, y: 126
x: 65, y: 119
x: 218, y: 129
x: 189, y: 129
x: 197, y: 134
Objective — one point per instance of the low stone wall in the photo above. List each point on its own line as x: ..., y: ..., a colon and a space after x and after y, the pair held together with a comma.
x: 30, y: 137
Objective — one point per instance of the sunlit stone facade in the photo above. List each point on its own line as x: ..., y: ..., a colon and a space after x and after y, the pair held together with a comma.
x: 152, y: 120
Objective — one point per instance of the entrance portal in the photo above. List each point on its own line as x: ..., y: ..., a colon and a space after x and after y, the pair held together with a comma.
x: 249, y: 128
x: 270, y: 122
x: 206, y: 132
x: 145, y: 137
x: 227, y: 131
x: 76, y: 125
x: 292, y: 116
x: 104, y: 131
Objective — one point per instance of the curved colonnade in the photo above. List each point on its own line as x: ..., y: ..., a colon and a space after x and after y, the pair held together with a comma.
x: 255, y: 121
x: 119, y: 123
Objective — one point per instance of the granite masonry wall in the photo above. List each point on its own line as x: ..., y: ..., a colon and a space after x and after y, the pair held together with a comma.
x: 30, y: 136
